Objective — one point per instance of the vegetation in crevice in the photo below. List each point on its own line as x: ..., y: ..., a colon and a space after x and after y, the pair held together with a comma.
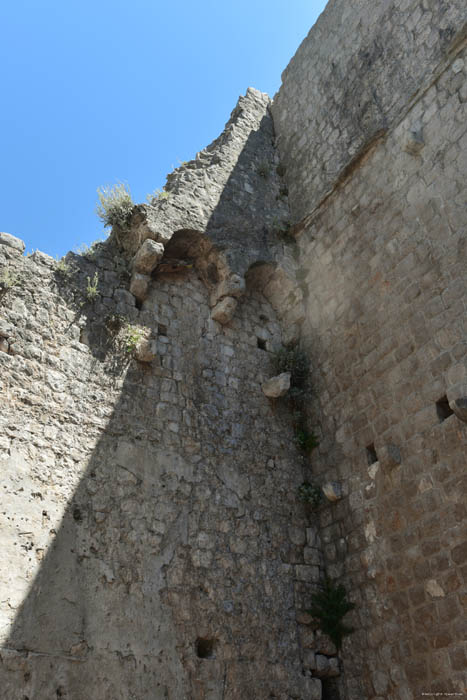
x: 293, y: 360
x: 310, y: 493
x: 7, y: 282
x: 115, y: 205
x: 92, y: 291
x: 329, y: 606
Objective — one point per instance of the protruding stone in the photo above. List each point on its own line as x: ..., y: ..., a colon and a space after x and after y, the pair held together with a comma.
x: 139, y: 285
x: 277, y: 386
x: 146, y: 350
x: 434, y: 589
x: 224, y: 311
x: 322, y: 665
x: 325, y: 645
x: 233, y: 286
x: 4, y: 346
x: 389, y: 456
x: 12, y: 242
x: 148, y: 256
x: 333, y: 491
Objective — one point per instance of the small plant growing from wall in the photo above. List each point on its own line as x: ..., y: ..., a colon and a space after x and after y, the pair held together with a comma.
x: 329, y: 606
x: 157, y: 196
x: 91, y: 287
x: 63, y: 268
x: 295, y: 361
x: 132, y: 336
x: 7, y: 282
x: 115, y: 205
x: 310, y: 493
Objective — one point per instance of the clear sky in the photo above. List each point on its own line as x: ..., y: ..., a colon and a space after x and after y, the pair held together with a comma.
x: 100, y: 91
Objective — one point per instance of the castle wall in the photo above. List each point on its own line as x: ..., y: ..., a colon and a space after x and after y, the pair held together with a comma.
x: 358, y: 69
x: 383, y: 273
x: 152, y: 541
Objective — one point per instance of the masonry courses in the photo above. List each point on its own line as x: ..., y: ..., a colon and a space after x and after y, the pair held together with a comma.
x: 172, y: 499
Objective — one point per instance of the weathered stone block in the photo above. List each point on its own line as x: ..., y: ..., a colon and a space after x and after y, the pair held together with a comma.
x: 333, y: 491
x: 324, y: 644
x: 223, y: 311
x: 12, y: 242
x: 139, y: 285
x: 233, y: 286
x: 277, y: 386
x: 148, y: 256
x: 322, y: 665
x: 146, y: 350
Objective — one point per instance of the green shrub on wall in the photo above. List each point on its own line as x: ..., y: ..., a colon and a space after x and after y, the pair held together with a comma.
x: 329, y: 606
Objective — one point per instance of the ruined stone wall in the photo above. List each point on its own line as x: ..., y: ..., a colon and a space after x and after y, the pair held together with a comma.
x: 151, y: 538
x: 383, y: 273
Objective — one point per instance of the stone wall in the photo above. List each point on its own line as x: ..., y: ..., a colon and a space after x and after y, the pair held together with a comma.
x: 383, y: 274
x: 152, y: 541
x: 360, y: 67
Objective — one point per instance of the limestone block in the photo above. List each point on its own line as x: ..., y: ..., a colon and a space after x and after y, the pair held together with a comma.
x: 223, y: 311
x: 12, y: 242
x: 322, y: 665
x: 139, y: 285
x: 146, y: 350
x: 389, y: 456
x: 4, y: 345
x: 277, y: 386
x: 333, y: 491
x: 148, y: 256
x: 233, y: 286
x: 325, y: 645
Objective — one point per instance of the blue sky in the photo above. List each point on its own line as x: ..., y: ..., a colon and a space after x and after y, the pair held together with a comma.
x: 100, y: 91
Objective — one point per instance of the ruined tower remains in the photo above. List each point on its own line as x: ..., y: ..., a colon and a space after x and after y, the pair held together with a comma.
x: 166, y: 518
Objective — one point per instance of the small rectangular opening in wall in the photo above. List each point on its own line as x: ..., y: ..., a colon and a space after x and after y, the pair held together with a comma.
x: 443, y: 409
x: 371, y: 455
x: 161, y: 329
x: 261, y: 344
x: 204, y: 648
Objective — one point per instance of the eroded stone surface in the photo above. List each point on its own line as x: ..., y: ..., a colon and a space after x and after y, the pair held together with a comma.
x: 277, y: 386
